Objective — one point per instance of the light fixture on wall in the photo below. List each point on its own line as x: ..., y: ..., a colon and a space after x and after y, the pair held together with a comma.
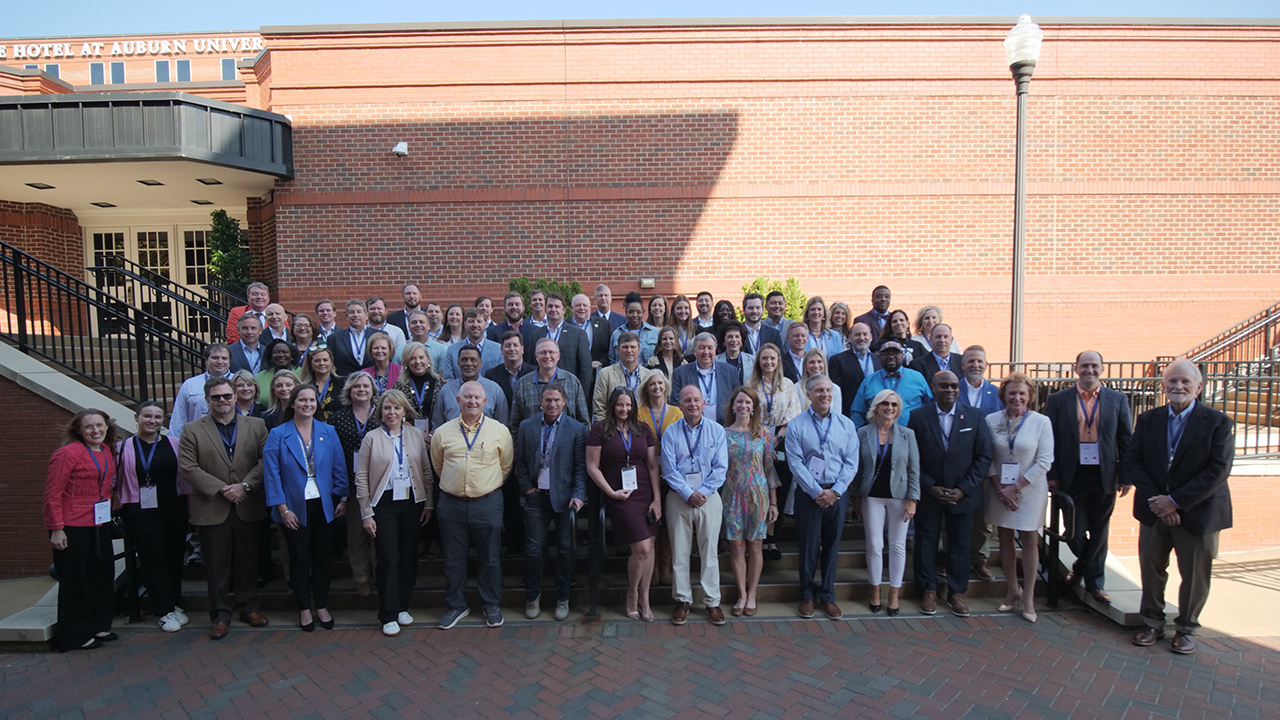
x: 401, y: 149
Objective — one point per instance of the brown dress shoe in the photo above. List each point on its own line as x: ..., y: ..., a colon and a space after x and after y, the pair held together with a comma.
x: 680, y: 615
x: 1183, y: 644
x: 929, y: 602
x: 1100, y: 595
x: 982, y: 572
x: 832, y: 610
x: 806, y: 609
x: 1147, y: 636
x: 715, y: 615
x: 219, y: 630
x: 363, y: 589
x: 254, y: 619
x: 959, y: 607
x: 1074, y: 578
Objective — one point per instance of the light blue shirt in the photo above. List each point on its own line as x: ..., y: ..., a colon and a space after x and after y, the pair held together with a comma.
x: 648, y: 341
x: 711, y: 459
x: 839, y: 453
x: 911, y: 386
x: 490, y: 357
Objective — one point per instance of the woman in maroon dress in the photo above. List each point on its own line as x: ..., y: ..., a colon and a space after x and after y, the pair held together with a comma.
x: 619, y: 449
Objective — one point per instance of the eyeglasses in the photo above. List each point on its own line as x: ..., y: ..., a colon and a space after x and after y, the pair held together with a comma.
x: 945, y: 386
x: 889, y: 404
x: 224, y: 396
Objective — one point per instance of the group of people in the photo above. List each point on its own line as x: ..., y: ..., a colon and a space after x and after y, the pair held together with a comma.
x: 450, y: 428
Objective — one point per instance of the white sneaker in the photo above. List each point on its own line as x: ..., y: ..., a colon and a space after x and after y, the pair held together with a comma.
x: 404, y: 619
x: 562, y: 609
x: 170, y: 623
x: 391, y: 629
x: 533, y: 608
x: 182, y: 616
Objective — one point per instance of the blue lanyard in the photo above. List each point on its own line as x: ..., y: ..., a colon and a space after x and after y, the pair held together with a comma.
x: 555, y: 334
x: 324, y: 391
x: 358, y: 350
x: 309, y: 452
x: 631, y: 378
x: 146, y: 459
x: 881, y: 451
x: 768, y: 402
x: 103, y: 472
x: 659, y: 419
x: 894, y: 386
x: 398, y: 444
x: 231, y: 446
x: 1014, y: 435
x: 1089, y: 418
x: 537, y: 383
x: 547, y: 432
x: 626, y: 443
x: 693, y: 446
x: 472, y: 442
x: 1175, y: 436
x: 817, y: 427
x: 381, y: 380
x: 420, y: 393
x: 707, y: 384
x: 361, y: 426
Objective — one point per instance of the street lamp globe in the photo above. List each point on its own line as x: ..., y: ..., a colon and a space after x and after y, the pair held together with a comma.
x: 1022, y: 44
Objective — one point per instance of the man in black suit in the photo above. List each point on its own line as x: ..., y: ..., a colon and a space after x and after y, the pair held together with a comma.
x: 758, y: 332
x: 941, y: 358
x: 955, y: 453
x: 849, y: 368
x: 1091, y: 431
x: 400, y: 318
x: 513, y: 317
x: 878, y: 315
x: 605, y: 311
x: 597, y: 329
x: 793, y: 353
x: 350, y: 345
x: 1179, y: 461
x: 513, y: 366
x: 575, y: 353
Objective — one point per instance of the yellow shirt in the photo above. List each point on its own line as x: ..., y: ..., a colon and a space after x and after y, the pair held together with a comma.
x: 478, y: 471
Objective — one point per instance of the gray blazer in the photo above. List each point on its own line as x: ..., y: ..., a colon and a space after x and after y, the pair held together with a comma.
x: 568, y: 460
x: 904, y: 475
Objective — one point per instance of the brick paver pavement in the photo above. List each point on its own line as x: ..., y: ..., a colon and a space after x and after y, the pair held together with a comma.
x: 1069, y: 665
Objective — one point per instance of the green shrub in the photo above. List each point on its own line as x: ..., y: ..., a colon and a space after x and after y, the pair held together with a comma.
x: 229, y: 259
x: 790, y: 290
x: 524, y: 286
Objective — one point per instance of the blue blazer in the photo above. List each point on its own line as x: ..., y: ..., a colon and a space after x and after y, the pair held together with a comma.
x: 284, y: 469
x: 568, y: 460
x: 990, y: 400
x: 726, y: 380
x: 964, y: 460
x: 767, y: 335
x: 927, y: 365
x: 239, y: 361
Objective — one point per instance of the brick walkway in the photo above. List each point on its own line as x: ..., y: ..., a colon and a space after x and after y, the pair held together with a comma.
x: 1069, y: 665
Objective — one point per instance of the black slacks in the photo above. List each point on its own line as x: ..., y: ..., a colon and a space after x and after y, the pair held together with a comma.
x: 931, y: 516
x: 310, y: 549
x: 86, y: 588
x: 1093, y: 525
x: 396, y: 545
x: 231, y: 563
x: 160, y: 537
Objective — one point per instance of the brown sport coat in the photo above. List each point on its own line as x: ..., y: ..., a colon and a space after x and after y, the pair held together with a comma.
x: 203, y: 460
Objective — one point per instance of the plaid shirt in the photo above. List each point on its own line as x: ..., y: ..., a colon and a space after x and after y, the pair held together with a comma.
x: 527, y: 400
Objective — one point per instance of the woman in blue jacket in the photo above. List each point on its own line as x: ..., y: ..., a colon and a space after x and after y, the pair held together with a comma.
x: 306, y: 481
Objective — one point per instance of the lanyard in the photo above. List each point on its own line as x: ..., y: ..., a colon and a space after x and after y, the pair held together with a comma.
x: 398, y: 444
x: 881, y: 451
x: 768, y: 399
x: 555, y: 334
x: 707, y: 383
x: 381, y: 380
x: 361, y: 426
x: 1088, y: 417
x: 1175, y: 436
x: 324, y: 391
x: 822, y: 436
x: 472, y: 442
x: 537, y: 383
x: 103, y: 472
x: 631, y: 378
x: 626, y: 443
x: 693, y: 446
x: 659, y: 419
x: 357, y: 349
x: 309, y: 452
x: 1014, y: 435
x: 548, y: 434
x: 146, y: 459
x: 231, y: 446
x: 420, y: 393
x: 684, y: 341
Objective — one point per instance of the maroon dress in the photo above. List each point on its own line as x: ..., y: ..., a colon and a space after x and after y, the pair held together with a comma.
x: 630, y: 517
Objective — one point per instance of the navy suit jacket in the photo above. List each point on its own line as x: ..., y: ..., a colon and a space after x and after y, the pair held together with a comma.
x: 495, y: 332
x: 1115, y: 428
x: 344, y: 362
x: 789, y: 369
x: 284, y: 469
x: 502, y: 378
x: 868, y: 318
x: 726, y: 379
x: 845, y: 370
x: 1197, y: 478
x: 240, y: 362
x: 988, y: 403
x: 927, y: 365
x: 962, y: 463
x: 568, y: 459
x: 601, y: 331
x: 767, y: 335
x: 616, y: 319
x: 575, y: 356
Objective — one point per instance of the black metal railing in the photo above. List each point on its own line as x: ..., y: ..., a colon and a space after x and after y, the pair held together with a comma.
x: 1258, y: 337
x: 92, y: 334
x: 224, y: 296
x: 180, y: 306
x: 1248, y: 391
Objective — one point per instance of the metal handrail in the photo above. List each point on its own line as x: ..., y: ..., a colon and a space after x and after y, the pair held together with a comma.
x: 1261, y: 325
x: 224, y: 297
x: 1063, y: 507
x: 200, y: 306
x: 595, y: 550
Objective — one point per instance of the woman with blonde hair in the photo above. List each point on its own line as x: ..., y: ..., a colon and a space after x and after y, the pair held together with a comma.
x: 779, y: 405
x: 889, y: 485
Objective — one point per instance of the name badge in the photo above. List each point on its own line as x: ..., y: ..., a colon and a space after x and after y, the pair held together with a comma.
x: 629, y: 479
x: 423, y: 424
x: 313, y: 491
x: 1089, y: 453
x: 693, y: 480
x: 817, y: 467
x: 544, y: 479
x: 1009, y: 473
x: 102, y: 512
x: 147, y: 493
x: 400, y: 487
x: 782, y: 456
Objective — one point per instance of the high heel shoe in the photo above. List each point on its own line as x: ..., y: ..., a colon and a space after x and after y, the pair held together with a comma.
x: 326, y: 624
x: 891, y: 611
x: 1028, y: 615
x: 308, y: 627
x: 875, y: 608
x: 1009, y: 605
x: 632, y: 601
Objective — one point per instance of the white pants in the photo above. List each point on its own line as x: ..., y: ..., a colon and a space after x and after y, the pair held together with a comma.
x: 879, y: 514
x: 687, y: 525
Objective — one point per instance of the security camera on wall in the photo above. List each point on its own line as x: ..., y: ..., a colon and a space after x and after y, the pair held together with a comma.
x: 401, y: 149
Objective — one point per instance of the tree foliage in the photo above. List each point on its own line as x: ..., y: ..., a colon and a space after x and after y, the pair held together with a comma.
x: 790, y: 290
x: 229, y: 259
x: 524, y: 286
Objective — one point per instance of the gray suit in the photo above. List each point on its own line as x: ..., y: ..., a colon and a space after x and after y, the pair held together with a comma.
x: 726, y: 379
x: 904, y: 473
x: 567, y: 471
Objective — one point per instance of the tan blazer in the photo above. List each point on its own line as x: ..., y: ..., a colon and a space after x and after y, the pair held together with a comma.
x: 378, y: 455
x: 203, y: 460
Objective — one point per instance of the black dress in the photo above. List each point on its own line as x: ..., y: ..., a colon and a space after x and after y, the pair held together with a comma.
x: 630, y: 517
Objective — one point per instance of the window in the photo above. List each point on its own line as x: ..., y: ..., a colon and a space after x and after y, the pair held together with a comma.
x: 184, y: 71
x: 228, y: 68
x: 51, y: 69
x: 162, y: 71
x: 117, y: 73
x: 31, y: 67
x: 96, y: 76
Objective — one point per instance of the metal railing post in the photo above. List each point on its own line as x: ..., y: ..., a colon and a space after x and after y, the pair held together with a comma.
x: 20, y: 302
x: 140, y: 344
x: 594, y: 530
x: 131, y: 604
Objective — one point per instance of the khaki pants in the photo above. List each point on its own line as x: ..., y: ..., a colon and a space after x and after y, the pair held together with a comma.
x: 686, y: 526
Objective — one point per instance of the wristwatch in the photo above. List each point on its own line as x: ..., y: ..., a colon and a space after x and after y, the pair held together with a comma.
x: 246, y: 486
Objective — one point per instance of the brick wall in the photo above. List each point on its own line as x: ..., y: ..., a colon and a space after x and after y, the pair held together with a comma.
x: 34, y: 426
x: 260, y: 214
x: 1253, y: 502
x: 704, y: 156
x: 52, y: 235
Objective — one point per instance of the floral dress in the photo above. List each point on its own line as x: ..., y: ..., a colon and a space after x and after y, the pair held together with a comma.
x: 746, y: 485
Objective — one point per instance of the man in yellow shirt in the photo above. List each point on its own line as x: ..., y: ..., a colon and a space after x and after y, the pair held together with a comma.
x: 472, y: 455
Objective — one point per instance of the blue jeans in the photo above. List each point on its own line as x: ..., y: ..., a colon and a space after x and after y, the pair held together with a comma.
x: 538, y: 515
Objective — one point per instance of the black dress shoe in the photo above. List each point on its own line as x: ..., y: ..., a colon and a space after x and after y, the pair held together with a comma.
x: 1074, y: 578
x: 874, y: 608
x: 107, y: 637
x: 326, y: 624
x: 892, y: 611
x: 309, y: 627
